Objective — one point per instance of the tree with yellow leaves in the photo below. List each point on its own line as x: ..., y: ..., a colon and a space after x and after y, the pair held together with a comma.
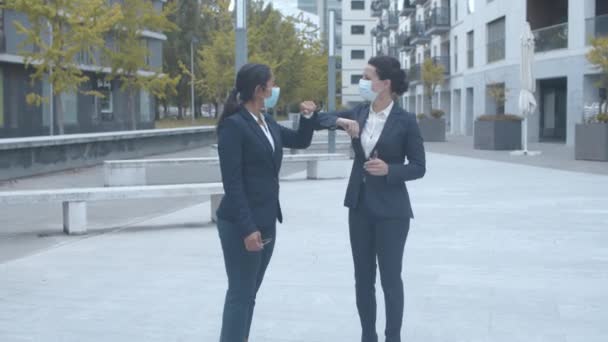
x: 57, y: 33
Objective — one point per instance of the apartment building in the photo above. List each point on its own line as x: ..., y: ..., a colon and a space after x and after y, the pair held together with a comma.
x: 357, y: 26
x: 81, y: 113
x: 478, y: 42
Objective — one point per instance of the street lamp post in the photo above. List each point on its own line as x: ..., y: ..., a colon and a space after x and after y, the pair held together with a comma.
x: 51, y: 96
x: 240, y: 34
x: 331, y: 74
x: 192, y: 102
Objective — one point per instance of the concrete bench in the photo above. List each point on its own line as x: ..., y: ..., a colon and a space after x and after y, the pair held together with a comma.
x: 206, y: 170
x: 75, y: 200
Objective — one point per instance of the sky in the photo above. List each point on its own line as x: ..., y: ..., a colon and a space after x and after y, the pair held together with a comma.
x: 290, y: 7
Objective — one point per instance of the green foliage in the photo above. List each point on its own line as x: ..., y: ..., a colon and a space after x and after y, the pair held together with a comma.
x: 499, y: 117
x: 433, y: 75
x: 128, y: 56
x: 60, y: 31
x: 286, y: 44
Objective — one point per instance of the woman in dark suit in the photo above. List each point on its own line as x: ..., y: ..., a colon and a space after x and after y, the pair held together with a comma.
x: 250, y: 147
x: 377, y: 197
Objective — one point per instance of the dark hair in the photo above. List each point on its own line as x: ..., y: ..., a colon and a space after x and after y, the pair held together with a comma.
x: 247, y: 79
x: 389, y: 68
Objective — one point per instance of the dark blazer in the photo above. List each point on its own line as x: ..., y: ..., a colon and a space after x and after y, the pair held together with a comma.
x: 250, y: 169
x: 386, y: 196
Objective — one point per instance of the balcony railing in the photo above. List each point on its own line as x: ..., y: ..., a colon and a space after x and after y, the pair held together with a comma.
x: 393, y: 51
x: 404, y: 41
x: 419, y: 35
x: 438, y: 20
x: 409, y: 8
x: 415, y: 73
x: 496, y: 50
x: 443, y: 61
x: 393, y: 19
x: 596, y: 27
x: 379, y: 5
x: 551, y: 38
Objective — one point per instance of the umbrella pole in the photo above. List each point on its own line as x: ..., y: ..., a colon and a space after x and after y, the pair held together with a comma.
x: 525, y: 135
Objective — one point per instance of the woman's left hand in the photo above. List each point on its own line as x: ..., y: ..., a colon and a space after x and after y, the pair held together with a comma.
x: 376, y: 167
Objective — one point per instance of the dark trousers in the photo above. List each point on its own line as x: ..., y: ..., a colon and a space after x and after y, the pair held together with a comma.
x: 245, y: 272
x: 373, y: 237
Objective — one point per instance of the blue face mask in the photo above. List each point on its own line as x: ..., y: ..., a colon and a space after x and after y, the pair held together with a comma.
x: 365, y: 90
x: 271, y: 101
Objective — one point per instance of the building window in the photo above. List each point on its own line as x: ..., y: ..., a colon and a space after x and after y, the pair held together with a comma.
x: 69, y: 107
x: 496, y: 40
x: 456, y: 54
x: 105, y: 102
x: 470, y: 49
x: 357, y: 5
x: 456, y: 11
x: 146, y: 44
x: 145, y: 109
x: 357, y: 54
x: 354, y: 79
x: 1, y: 98
x: 357, y: 29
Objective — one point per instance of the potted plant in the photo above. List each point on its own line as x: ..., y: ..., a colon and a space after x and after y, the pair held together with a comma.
x: 498, y: 131
x: 432, y: 125
x: 432, y: 128
x: 591, y: 137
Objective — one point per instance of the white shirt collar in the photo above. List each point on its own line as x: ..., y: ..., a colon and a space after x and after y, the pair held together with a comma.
x: 383, y: 113
x: 256, y: 117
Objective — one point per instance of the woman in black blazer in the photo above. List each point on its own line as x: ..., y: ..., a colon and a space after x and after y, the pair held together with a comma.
x: 250, y: 147
x: 384, y: 135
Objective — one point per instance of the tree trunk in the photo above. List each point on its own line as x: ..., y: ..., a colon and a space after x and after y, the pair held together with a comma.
x: 197, y: 105
x: 217, y: 110
x: 180, y: 112
x: 59, y: 114
x: 131, y: 108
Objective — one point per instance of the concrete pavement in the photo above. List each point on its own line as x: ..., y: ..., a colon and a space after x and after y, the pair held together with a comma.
x: 497, y: 252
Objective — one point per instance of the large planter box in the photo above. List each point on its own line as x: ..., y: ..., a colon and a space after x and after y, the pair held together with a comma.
x: 432, y: 130
x: 591, y: 142
x: 497, y: 135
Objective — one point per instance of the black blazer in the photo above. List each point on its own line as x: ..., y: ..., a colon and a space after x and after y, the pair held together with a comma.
x: 386, y: 196
x: 250, y: 169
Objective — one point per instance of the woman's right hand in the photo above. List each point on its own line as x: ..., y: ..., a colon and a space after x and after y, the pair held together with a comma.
x: 308, y: 107
x: 350, y: 126
x: 253, y: 242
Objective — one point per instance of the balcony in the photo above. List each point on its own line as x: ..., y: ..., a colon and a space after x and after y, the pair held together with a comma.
x: 404, y: 42
x: 419, y: 35
x: 551, y: 38
x: 393, y: 51
x: 393, y: 20
x: 380, y: 31
x: 415, y: 73
x: 438, y: 20
x: 379, y: 5
x: 409, y: 8
x: 443, y: 61
x: 596, y: 27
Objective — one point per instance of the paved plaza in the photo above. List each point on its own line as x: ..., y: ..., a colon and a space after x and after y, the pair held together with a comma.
x: 497, y: 252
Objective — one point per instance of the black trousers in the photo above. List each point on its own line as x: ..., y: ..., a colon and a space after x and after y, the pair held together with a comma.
x: 245, y: 272
x: 372, y: 238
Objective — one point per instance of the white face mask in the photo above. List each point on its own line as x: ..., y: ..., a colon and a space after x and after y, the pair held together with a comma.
x: 365, y: 90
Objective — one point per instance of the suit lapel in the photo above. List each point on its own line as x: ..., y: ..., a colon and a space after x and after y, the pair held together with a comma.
x: 257, y: 129
x: 362, y: 120
x: 275, y: 133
